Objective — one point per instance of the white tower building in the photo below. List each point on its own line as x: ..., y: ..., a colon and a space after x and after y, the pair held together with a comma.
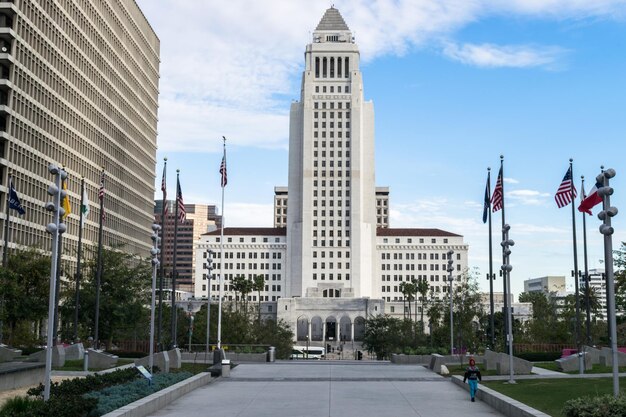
x: 332, y: 193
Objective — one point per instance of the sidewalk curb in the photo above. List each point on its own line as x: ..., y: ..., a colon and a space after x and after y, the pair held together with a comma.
x: 154, y: 402
x: 506, y: 405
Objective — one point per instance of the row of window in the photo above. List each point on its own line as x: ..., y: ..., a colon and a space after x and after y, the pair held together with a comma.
x: 331, y: 265
x: 331, y: 89
x: 331, y: 67
x: 420, y: 256
x: 331, y: 276
x: 420, y: 240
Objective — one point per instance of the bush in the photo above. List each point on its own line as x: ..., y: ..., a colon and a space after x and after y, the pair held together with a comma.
x: 55, y: 407
x: 603, y: 406
x: 539, y: 356
x: 117, y: 396
x: 79, y: 386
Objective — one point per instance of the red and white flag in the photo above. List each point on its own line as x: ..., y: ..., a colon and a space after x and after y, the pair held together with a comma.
x: 591, y: 200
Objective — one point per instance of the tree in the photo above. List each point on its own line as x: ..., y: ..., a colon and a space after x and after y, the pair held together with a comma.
x: 619, y: 259
x: 545, y: 326
x: 385, y: 335
x: 24, y: 287
x: 422, y: 287
x: 258, y: 285
x: 124, y: 294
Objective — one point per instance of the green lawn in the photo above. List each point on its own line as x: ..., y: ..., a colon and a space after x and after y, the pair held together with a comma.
x: 549, y: 395
x: 597, y: 369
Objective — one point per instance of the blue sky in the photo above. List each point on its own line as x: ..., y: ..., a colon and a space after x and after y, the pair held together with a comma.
x: 455, y: 84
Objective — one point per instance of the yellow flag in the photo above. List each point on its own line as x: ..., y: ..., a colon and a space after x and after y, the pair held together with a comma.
x: 66, y: 201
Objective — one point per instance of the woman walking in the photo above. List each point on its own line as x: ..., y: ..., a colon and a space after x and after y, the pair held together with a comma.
x: 472, y: 375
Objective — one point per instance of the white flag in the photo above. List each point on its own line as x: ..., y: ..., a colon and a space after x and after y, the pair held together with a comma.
x: 84, y: 208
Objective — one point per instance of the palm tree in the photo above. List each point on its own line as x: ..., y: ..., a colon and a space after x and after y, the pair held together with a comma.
x: 422, y: 287
x: 258, y: 285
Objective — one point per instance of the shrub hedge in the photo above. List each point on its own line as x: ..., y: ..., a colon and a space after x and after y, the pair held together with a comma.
x: 603, y: 406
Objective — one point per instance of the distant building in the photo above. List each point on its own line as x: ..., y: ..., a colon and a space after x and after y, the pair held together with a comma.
x: 546, y: 285
x: 200, y: 219
x: 519, y: 311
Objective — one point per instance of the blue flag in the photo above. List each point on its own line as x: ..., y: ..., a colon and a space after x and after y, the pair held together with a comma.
x: 14, y: 201
x: 487, y: 203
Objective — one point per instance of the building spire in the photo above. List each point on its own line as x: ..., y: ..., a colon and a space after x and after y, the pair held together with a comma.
x: 332, y: 20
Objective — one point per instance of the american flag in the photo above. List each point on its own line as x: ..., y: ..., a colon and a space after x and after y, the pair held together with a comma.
x: 164, y: 188
x: 182, y: 214
x: 566, y: 192
x: 223, y: 170
x: 496, y: 197
x: 101, y: 193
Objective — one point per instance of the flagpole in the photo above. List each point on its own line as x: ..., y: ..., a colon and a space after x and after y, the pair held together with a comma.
x: 504, y: 281
x: 219, y: 309
x: 587, y: 280
x: 575, y: 274
x: 491, y: 275
x: 174, y: 270
x: 5, y: 252
x: 162, y: 260
x: 99, y: 262
x: 79, y: 255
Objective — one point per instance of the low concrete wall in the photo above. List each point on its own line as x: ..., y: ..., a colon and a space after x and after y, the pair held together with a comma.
x: 153, y: 403
x: 175, y: 358
x: 8, y: 354
x: 571, y: 363
x: 161, y: 360
x: 22, y: 375
x: 436, y: 361
x: 58, y: 356
x: 410, y: 359
x: 606, y: 357
x: 507, y: 406
x: 100, y: 360
x: 247, y: 357
x: 75, y: 352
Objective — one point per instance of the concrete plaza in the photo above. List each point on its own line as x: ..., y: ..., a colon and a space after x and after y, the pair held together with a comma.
x: 330, y: 389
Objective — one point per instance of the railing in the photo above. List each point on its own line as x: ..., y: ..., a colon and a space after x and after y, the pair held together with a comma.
x: 541, y: 347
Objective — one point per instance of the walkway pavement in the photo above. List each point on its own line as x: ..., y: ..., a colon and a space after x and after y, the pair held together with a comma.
x: 329, y: 388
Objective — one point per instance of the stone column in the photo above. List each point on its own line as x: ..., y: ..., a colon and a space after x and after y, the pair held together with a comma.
x: 308, y: 325
x: 324, y: 331
x: 352, y: 330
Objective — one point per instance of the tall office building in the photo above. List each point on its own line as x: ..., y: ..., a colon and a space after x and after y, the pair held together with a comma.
x: 79, y: 88
x: 331, y: 261
x: 200, y: 219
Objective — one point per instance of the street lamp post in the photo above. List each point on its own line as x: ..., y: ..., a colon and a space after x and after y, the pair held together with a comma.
x: 506, y: 272
x: 207, y: 266
x: 54, y: 228
x: 190, y: 309
x: 155, y: 265
x: 607, y: 230
x: 450, y: 278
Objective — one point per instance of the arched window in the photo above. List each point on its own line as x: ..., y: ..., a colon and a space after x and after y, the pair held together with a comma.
x: 339, y: 67
x: 332, y: 67
x: 317, y: 67
x: 324, y: 67
x: 347, y: 69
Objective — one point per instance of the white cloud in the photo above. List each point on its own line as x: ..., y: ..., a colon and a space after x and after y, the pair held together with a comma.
x: 510, y: 180
x: 528, y: 197
x: 229, y: 68
x: 512, y: 56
